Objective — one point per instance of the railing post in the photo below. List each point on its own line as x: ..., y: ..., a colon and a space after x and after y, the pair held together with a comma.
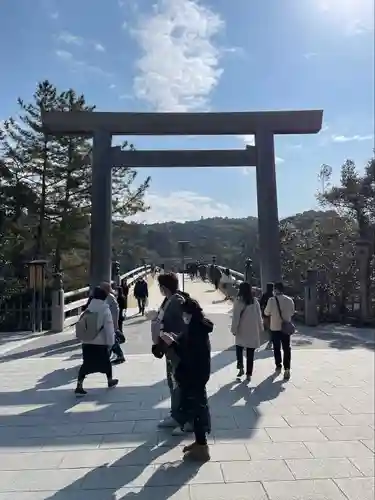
x: 57, y: 313
x: 311, y: 298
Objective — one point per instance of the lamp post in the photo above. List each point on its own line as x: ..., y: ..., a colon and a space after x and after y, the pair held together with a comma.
x: 115, y: 271
x: 36, y: 281
x: 183, y: 246
x: 249, y: 271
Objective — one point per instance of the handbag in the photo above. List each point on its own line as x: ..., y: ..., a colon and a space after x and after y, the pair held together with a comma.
x: 287, y: 327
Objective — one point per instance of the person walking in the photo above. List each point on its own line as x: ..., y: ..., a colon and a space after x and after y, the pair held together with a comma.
x: 115, y: 312
x: 247, y: 326
x: 125, y: 291
x: 226, y: 284
x: 191, y: 372
x: 121, y: 301
x: 169, y: 320
x: 141, y: 294
x: 280, y: 309
x: 96, y: 331
x: 266, y: 321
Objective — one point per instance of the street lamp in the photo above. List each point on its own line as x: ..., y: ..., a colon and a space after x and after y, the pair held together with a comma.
x: 249, y: 271
x: 37, y: 283
x: 183, y: 247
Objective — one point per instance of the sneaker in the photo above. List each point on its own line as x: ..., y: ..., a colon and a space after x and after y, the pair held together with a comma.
x: 277, y: 370
x: 248, y: 378
x: 80, y: 391
x: 167, y: 423
x: 286, y: 374
x: 269, y: 346
x: 118, y: 361
x: 112, y: 383
x: 240, y: 373
x: 197, y: 453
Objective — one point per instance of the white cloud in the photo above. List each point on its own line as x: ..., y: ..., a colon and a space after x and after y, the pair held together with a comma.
x: 64, y: 54
x: 179, y: 67
x: 54, y: 15
x: 352, y: 138
x: 310, y: 55
x: 112, y: 86
x: 79, y: 65
x: 181, y: 206
x: 69, y: 38
x: 249, y: 140
x: 99, y: 47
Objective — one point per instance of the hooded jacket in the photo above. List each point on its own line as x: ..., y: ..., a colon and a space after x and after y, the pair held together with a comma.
x: 106, y: 335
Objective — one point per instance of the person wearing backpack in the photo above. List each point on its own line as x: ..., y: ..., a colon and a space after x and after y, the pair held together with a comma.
x: 95, y: 329
x: 280, y: 308
x: 247, y: 326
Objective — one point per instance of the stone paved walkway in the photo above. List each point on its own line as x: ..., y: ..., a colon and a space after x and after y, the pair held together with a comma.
x: 309, y: 439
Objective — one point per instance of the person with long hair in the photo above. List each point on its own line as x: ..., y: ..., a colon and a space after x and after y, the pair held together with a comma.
x: 247, y: 326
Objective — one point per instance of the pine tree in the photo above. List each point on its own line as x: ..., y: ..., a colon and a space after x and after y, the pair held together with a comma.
x: 57, y: 171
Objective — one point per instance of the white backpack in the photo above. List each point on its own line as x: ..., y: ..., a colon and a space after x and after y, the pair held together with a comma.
x: 87, y: 326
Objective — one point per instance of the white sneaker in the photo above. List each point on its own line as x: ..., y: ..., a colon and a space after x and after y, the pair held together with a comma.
x: 167, y: 423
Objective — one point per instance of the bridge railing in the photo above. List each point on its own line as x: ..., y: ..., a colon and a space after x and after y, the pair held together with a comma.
x: 75, y: 300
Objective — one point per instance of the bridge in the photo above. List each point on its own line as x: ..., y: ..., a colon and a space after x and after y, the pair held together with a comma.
x: 310, y: 438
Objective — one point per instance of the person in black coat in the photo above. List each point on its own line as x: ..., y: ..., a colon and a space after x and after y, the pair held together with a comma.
x: 125, y: 292
x: 263, y: 303
x: 141, y: 294
x: 192, y: 369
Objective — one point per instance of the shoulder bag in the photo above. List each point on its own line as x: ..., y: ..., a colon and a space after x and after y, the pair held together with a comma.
x: 287, y: 327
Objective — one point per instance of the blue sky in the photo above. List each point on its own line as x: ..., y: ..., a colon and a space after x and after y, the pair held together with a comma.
x: 142, y: 55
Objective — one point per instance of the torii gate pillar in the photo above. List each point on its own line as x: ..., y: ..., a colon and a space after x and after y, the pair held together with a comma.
x: 268, y: 218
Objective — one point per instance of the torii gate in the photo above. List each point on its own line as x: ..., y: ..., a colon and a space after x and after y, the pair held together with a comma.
x: 263, y: 125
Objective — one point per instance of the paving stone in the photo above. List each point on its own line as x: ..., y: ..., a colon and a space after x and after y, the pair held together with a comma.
x: 272, y: 451
x: 24, y: 461
x: 319, y: 489
x: 355, y: 420
x: 347, y: 433
x: 228, y: 452
x: 365, y: 465
x: 322, y: 468
x: 369, y: 443
x: 242, y: 435
x: 260, y: 470
x: 359, y: 488
x: 228, y: 491
x: 338, y: 449
x: 42, y: 480
x: 296, y: 434
x: 310, y: 421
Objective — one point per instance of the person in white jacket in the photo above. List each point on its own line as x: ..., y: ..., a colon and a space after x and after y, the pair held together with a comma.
x: 247, y: 326
x: 96, y: 352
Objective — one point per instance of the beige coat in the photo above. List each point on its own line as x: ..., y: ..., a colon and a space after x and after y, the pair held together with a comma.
x: 247, y: 324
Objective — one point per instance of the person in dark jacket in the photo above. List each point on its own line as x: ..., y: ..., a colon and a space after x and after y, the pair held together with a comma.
x: 192, y: 352
x: 263, y: 303
x: 121, y: 301
x: 141, y: 294
x: 125, y: 291
x: 169, y: 320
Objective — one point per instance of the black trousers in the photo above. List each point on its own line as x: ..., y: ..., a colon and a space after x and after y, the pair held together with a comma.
x: 281, y: 340
x: 141, y: 304
x: 249, y: 359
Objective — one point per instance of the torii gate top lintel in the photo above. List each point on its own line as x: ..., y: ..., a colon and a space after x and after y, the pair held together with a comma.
x: 217, y: 123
